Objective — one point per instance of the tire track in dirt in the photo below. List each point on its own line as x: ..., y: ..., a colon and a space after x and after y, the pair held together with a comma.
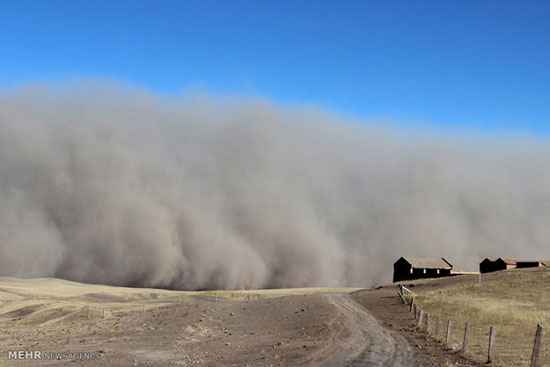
x: 357, y: 339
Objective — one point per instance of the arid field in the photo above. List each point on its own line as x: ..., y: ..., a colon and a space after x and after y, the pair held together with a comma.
x: 102, y: 325
x: 514, y: 301
x: 69, y: 323
x: 136, y: 326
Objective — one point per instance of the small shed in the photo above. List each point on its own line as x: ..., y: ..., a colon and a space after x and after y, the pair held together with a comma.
x: 532, y: 263
x: 418, y: 268
x: 495, y: 264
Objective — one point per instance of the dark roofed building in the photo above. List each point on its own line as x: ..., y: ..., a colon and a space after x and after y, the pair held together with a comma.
x: 417, y: 268
x: 533, y: 263
x: 491, y: 264
x: 495, y: 264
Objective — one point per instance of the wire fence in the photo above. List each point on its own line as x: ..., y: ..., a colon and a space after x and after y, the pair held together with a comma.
x: 66, y: 316
x: 512, y: 342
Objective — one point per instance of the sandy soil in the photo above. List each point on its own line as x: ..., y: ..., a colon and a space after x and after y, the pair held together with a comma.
x: 387, y: 307
x: 324, y: 327
x: 368, y: 343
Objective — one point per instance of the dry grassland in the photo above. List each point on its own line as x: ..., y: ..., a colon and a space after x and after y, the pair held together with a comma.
x: 157, y: 328
x: 514, y: 301
x: 45, y: 301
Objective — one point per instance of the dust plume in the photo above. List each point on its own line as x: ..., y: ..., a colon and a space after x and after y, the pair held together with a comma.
x: 113, y: 185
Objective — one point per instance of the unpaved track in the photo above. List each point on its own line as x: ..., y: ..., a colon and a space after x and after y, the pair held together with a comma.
x: 321, y: 329
x: 357, y: 339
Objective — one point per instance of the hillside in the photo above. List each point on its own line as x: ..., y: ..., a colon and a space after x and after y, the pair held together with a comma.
x: 514, y: 301
x: 120, y: 326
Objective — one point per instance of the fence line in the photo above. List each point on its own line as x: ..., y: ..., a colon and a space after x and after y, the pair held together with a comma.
x: 88, y: 312
x: 522, y: 346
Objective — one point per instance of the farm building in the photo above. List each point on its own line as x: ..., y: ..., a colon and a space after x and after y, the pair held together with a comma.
x: 494, y: 264
x: 418, y: 268
x: 532, y: 263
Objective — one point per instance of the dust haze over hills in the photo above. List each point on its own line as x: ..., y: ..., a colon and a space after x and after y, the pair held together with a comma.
x: 118, y: 186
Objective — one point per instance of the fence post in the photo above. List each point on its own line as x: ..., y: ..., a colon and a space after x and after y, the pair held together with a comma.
x: 402, y: 297
x: 536, y: 345
x: 414, y: 310
x: 448, y: 336
x: 89, y: 312
x: 437, y: 327
x: 466, y: 337
x: 491, y: 344
x: 412, y: 304
x: 179, y: 299
x: 103, y: 314
x: 420, y: 316
x: 427, y: 322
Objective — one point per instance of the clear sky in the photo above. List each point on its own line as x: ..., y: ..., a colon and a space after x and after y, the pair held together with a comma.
x: 481, y: 64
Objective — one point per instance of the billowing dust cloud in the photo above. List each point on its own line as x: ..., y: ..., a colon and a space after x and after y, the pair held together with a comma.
x: 117, y: 186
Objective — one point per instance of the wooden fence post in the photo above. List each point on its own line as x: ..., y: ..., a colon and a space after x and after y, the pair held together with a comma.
x: 414, y: 310
x: 427, y: 322
x: 420, y: 316
x: 536, y: 345
x: 437, y: 327
x: 466, y: 337
x: 103, y: 314
x: 448, y: 336
x: 491, y: 344
x: 412, y: 304
x: 402, y: 297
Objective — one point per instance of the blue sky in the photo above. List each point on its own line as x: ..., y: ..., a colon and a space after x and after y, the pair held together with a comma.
x: 449, y: 64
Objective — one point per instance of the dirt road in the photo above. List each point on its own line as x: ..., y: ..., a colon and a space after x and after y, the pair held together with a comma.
x: 367, y: 344
x: 387, y: 307
x: 307, y: 330
x: 132, y: 327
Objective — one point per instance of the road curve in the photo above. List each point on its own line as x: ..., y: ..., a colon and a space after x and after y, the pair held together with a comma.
x: 357, y: 339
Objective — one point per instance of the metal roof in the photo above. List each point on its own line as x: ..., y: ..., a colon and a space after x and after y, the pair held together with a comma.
x: 515, y: 261
x: 511, y: 261
x: 428, y: 263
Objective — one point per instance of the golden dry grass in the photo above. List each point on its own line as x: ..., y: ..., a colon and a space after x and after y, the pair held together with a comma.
x: 266, y: 293
x: 44, y: 301
x: 512, y: 301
